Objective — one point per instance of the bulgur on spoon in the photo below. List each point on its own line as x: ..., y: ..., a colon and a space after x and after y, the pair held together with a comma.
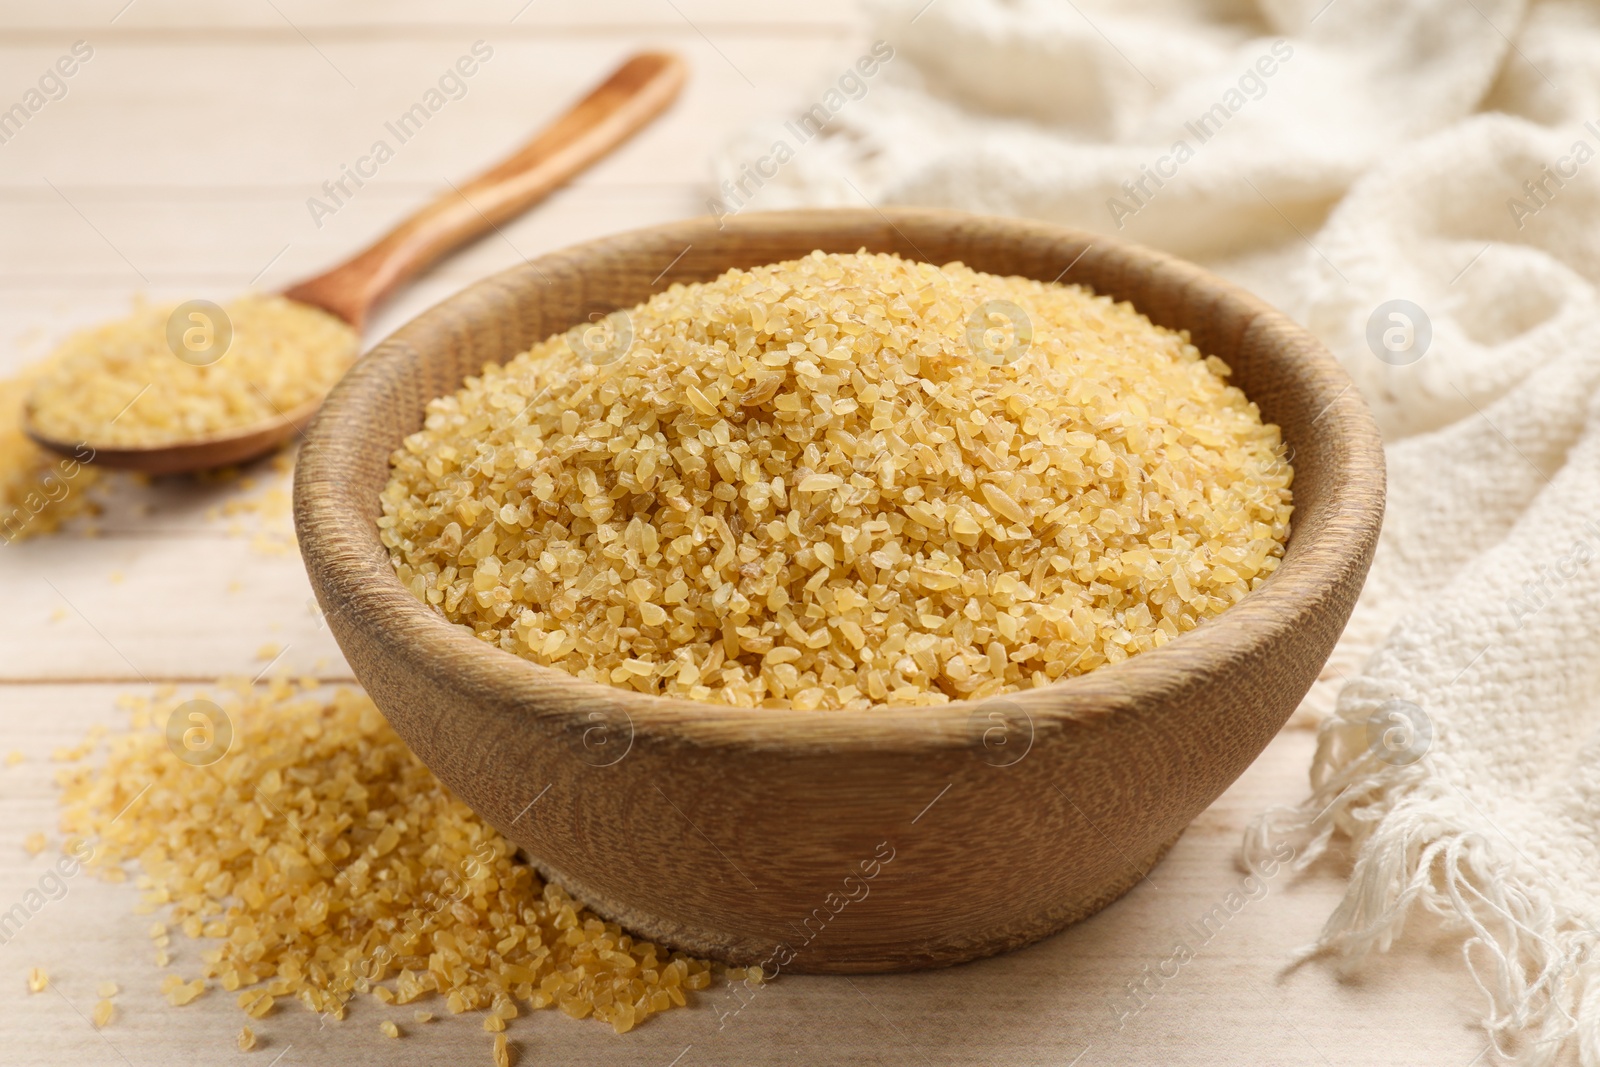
x: 194, y: 387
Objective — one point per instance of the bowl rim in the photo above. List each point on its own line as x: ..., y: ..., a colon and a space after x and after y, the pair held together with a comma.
x: 349, y: 566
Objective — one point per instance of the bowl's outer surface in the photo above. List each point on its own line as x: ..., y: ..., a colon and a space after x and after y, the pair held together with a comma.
x: 827, y: 841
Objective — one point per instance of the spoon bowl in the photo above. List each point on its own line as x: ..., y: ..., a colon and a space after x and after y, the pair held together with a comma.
x: 194, y: 454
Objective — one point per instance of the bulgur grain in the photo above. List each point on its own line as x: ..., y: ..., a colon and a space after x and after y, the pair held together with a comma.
x: 502, y: 1051
x: 103, y: 1012
x: 181, y: 992
x: 323, y: 859
x: 119, y: 384
x: 802, y: 486
x: 247, y: 1039
x: 388, y: 1027
x: 107, y: 990
x: 37, y: 980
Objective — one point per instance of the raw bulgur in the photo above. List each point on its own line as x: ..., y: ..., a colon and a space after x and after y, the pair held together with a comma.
x: 39, y: 490
x: 321, y: 859
x: 121, y: 385
x: 841, y: 481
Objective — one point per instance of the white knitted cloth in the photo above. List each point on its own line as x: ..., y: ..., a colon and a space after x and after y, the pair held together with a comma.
x: 1364, y: 151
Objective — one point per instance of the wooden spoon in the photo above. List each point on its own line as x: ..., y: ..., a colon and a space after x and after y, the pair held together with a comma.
x: 633, y: 95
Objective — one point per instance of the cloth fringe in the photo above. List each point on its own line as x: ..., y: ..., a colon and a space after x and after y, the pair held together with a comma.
x: 1533, y: 960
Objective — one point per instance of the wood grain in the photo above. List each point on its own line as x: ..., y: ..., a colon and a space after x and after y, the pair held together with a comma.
x: 617, y: 108
x: 731, y: 832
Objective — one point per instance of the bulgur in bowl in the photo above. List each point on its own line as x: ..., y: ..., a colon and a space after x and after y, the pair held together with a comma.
x: 961, y: 810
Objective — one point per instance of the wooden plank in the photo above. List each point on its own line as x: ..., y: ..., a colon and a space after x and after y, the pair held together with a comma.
x: 158, y: 607
x: 1057, y: 1002
x: 186, y: 115
x: 392, y: 17
x: 220, y: 246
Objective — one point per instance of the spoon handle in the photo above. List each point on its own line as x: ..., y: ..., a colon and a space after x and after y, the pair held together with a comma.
x: 634, y: 94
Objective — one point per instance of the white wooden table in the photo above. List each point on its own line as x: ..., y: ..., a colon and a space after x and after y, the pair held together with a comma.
x: 178, y: 165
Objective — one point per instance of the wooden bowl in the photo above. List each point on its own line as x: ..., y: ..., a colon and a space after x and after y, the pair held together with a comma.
x: 879, y: 840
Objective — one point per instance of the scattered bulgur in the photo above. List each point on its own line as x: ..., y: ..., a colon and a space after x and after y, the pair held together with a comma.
x: 37, y: 980
x: 323, y: 859
x: 389, y: 1028
x: 266, y: 516
x: 34, y: 843
x: 841, y: 481
x: 107, y: 990
x: 502, y: 1051
x: 103, y: 1012
x: 120, y: 384
x: 247, y: 1039
x: 39, y: 490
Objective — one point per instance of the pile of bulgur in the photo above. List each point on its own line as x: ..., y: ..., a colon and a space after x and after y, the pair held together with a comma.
x: 323, y: 861
x: 121, y: 384
x: 841, y: 481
